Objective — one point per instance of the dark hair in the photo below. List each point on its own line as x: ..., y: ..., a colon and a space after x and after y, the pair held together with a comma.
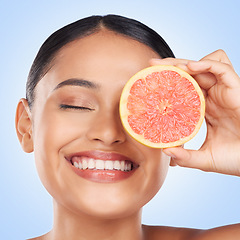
x: 87, y: 26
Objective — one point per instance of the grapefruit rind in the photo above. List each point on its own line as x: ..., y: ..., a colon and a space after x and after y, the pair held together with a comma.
x: 124, y: 112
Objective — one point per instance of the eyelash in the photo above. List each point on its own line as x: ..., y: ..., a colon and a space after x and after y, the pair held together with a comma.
x: 65, y: 106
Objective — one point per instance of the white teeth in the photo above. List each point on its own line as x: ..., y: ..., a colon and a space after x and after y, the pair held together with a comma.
x: 109, y: 165
x: 76, y: 165
x: 117, y: 165
x: 90, y: 163
x: 100, y: 164
x: 122, y: 165
x: 80, y: 165
x: 84, y: 164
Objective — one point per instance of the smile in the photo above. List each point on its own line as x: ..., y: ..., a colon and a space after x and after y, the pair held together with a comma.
x: 100, y: 166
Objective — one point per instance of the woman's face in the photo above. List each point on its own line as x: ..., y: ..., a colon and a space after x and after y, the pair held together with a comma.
x: 76, y: 123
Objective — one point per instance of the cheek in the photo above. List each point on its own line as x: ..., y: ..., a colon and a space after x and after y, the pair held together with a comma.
x: 162, y: 169
x: 155, y: 171
x: 52, y: 132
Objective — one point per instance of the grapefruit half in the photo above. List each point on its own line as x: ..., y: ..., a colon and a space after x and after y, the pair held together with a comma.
x: 162, y: 106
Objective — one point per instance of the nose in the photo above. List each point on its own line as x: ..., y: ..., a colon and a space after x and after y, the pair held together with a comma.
x: 107, y: 129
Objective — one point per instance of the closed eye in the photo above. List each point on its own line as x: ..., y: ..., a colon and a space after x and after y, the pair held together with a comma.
x: 66, y: 106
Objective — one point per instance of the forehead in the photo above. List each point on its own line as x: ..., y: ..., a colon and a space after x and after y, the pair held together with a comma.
x: 104, y: 56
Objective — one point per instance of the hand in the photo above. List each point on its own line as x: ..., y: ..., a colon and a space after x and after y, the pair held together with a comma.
x: 220, y: 84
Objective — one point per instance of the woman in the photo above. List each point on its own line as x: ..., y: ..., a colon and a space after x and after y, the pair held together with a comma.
x: 99, y: 177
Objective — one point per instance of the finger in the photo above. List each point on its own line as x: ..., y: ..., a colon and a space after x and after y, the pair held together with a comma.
x: 205, y: 80
x: 172, y: 163
x: 189, y: 158
x: 223, y: 72
x: 168, y: 61
x: 215, y: 66
x: 177, y: 62
x: 218, y: 55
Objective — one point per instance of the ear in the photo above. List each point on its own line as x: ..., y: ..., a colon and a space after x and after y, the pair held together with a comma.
x: 23, y: 124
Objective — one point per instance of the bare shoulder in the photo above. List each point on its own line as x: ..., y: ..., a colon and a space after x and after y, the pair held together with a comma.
x: 168, y: 233
x: 36, y: 238
x: 43, y: 237
x: 230, y: 232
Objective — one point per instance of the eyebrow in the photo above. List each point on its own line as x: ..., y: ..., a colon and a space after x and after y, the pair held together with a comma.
x: 77, y: 82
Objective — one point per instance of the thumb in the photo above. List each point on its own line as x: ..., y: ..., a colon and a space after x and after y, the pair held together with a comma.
x: 188, y: 158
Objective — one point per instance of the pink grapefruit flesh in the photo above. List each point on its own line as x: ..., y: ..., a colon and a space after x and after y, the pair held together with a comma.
x: 162, y: 106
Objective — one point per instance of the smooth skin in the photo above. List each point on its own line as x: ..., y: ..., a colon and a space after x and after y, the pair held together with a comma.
x: 92, y: 210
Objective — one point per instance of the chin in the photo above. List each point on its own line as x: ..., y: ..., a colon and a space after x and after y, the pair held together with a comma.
x: 110, y: 212
x: 102, y: 204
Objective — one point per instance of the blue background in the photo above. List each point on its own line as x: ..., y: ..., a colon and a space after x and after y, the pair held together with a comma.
x: 189, y: 198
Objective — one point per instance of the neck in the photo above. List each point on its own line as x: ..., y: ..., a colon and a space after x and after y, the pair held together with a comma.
x: 69, y: 225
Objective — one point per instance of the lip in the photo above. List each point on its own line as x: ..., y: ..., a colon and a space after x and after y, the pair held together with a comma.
x: 102, y: 176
